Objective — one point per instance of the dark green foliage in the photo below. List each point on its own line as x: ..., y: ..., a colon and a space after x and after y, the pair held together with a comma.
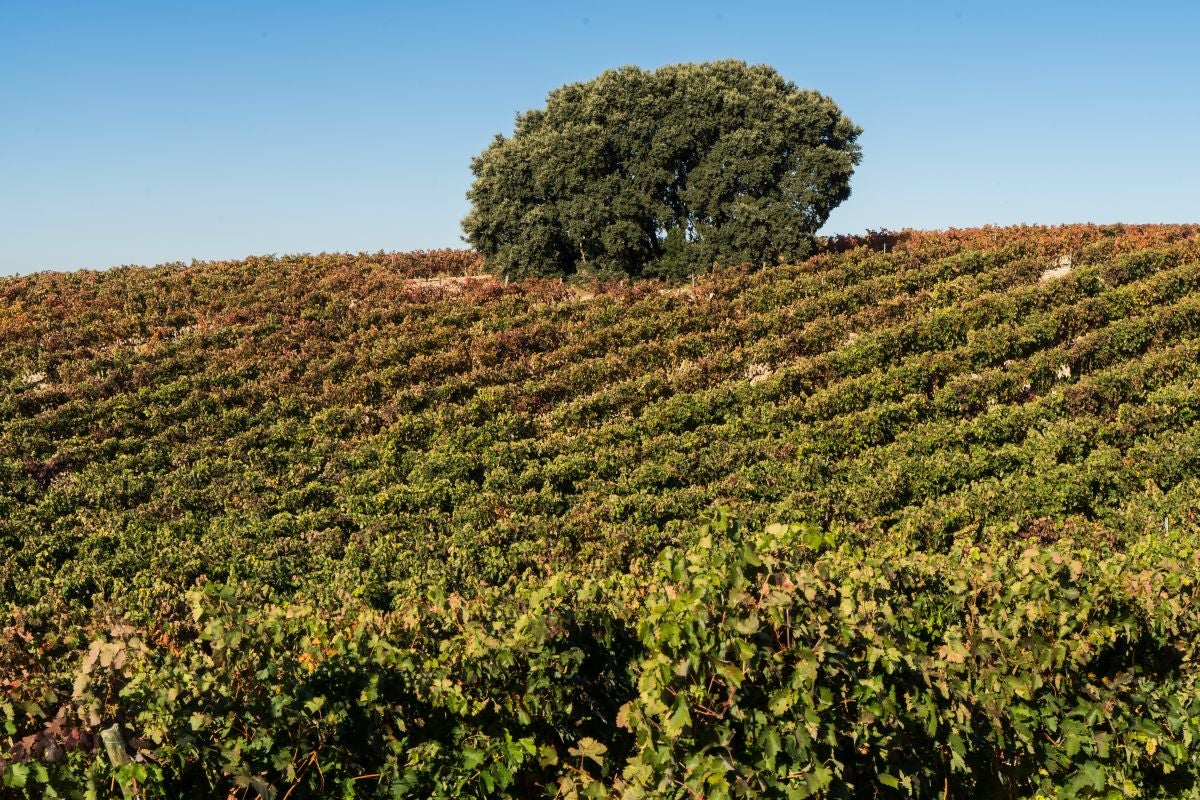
x: 662, y: 173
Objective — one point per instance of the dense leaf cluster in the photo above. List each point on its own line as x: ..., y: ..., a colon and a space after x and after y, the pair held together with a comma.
x: 662, y: 173
x: 779, y: 664
x: 398, y: 440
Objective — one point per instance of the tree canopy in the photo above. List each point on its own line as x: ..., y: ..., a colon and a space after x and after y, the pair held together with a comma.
x: 662, y: 173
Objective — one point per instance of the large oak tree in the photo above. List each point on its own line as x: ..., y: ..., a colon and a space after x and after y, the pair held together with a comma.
x: 662, y: 172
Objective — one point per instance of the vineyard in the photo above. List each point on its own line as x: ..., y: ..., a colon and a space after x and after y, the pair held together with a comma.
x: 917, y: 517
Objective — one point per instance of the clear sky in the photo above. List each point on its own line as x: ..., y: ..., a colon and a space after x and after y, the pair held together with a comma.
x: 144, y: 132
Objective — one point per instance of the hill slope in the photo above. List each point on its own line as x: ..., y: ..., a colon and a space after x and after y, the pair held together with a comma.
x: 328, y: 419
x: 400, y: 427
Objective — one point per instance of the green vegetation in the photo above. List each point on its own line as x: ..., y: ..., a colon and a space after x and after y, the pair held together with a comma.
x: 381, y: 526
x: 662, y: 173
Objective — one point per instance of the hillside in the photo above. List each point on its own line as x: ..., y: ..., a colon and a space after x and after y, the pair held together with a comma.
x: 397, y: 438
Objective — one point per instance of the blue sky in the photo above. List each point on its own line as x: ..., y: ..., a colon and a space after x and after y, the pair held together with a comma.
x: 138, y: 132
